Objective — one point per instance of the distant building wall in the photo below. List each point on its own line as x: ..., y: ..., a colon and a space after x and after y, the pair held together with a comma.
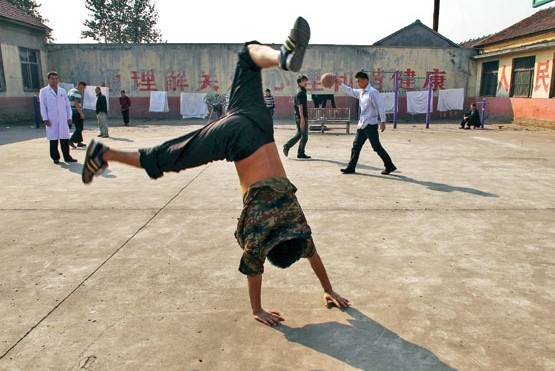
x: 175, y: 68
x: 537, y: 109
x: 17, y: 102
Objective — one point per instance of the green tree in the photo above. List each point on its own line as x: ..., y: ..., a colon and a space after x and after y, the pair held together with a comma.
x: 122, y: 21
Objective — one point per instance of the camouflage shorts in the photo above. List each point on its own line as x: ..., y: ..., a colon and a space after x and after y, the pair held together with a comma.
x: 271, y: 214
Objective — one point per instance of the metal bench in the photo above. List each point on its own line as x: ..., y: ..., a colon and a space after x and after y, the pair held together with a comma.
x: 321, y: 118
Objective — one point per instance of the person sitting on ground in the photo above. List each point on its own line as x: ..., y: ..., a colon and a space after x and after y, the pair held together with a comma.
x: 471, y: 118
x: 272, y: 224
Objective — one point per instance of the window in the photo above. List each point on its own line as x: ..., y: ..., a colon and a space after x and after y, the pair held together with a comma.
x: 488, y: 84
x: 2, y: 81
x: 30, y: 69
x: 522, y: 80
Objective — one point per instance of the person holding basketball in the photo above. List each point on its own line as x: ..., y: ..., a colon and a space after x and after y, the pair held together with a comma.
x: 371, y: 106
x: 272, y: 224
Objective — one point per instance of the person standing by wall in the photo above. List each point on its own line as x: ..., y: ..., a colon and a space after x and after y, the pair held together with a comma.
x: 125, y: 103
x: 301, y: 119
x: 269, y: 100
x: 371, y: 106
x: 101, y: 112
x: 56, y: 115
x: 75, y: 96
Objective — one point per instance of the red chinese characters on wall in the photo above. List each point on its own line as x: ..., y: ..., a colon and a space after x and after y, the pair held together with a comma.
x: 437, y: 79
x: 407, y: 79
x: 378, y: 77
x: 144, y: 80
x: 176, y: 81
x: 115, y: 82
x: 503, y: 82
x: 208, y: 81
x: 542, y: 76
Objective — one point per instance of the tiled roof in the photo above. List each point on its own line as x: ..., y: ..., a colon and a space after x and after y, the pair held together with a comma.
x: 409, y: 31
x: 542, y: 21
x: 13, y: 13
x: 473, y: 42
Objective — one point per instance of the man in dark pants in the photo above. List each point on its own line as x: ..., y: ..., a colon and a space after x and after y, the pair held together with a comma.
x: 371, y: 106
x: 471, y: 118
x: 301, y: 119
x: 272, y: 224
x: 125, y: 103
x: 56, y: 115
x: 75, y: 96
x: 101, y: 112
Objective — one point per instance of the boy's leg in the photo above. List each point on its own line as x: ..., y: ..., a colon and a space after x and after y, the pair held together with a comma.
x: 290, y: 56
x: 64, y: 145
x: 245, y: 102
x: 358, y: 142
x: 295, y: 138
x: 374, y: 138
x: 293, y: 49
x: 54, y: 154
x: 302, y: 144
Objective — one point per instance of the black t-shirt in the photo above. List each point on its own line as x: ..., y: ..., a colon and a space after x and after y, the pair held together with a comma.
x: 300, y: 98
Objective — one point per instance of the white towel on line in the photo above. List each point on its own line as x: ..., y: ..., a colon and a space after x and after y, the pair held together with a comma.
x: 417, y: 102
x: 89, y: 98
x: 450, y: 99
x: 67, y: 86
x: 193, y: 105
x: 388, y: 102
x: 159, y: 101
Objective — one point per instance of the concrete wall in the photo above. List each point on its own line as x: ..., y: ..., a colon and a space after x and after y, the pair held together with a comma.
x: 209, y: 68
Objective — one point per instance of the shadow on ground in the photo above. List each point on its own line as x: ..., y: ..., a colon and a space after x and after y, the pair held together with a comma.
x: 364, y: 344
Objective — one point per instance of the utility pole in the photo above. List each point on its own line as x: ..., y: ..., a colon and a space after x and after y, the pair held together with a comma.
x: 436, y: 15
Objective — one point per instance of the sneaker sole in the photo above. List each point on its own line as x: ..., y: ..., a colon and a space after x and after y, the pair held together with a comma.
x: 87, y: 175
x: 301, y: 30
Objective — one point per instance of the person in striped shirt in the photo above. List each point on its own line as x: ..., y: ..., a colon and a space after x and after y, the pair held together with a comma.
x: 75, y: 96
x: 269, y: 100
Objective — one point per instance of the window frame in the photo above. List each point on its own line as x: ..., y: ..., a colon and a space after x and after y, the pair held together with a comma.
x: 30, y: 70
x: 489, y: 79
x: 522, y: 77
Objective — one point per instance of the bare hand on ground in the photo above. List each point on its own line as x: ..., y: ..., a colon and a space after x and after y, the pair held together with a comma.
x: 269, y: 317
x: 332, y: 298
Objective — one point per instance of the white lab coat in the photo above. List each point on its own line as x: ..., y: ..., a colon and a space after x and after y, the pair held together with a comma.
x: 55, y: 108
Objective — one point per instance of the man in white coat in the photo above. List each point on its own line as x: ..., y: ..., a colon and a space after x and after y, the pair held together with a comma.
x: 56, y: 114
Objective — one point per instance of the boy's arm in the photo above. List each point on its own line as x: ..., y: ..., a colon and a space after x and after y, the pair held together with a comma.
x: 270, y: 317
x: 330, y: 296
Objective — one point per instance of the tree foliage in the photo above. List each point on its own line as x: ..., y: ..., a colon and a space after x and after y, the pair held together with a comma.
x: 30, y: 7
x: 122, y: 21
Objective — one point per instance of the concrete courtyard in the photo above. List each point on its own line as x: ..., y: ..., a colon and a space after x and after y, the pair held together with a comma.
x: 449, y: 263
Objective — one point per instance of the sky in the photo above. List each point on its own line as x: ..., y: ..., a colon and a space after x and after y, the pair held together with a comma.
x: 346, y: 22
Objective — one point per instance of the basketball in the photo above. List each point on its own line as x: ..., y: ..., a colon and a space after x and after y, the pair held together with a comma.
x: 327, y: 80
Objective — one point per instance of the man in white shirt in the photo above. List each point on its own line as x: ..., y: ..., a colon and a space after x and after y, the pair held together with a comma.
x: 371, y: 106
x: 56, y: 114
